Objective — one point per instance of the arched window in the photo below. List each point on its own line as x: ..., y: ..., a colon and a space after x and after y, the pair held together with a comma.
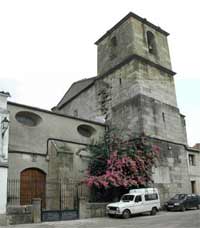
x: 151, y: 43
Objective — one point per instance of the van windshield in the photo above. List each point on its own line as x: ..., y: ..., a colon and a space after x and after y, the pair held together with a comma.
x: 127, y: 198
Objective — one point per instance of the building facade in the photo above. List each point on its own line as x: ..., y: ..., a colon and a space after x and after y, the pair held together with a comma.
x: 134, y: 91
x: 194, y: 168
x: 4, y: 138
x: 45, y: 157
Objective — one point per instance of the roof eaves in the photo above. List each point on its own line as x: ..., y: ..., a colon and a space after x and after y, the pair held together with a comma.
x: 129, y: 15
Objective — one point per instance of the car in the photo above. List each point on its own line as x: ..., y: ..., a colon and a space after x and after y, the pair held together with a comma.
x: 181, y: 202
x: 135, y: 202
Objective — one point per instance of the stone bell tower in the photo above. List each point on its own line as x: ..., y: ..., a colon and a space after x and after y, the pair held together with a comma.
x: 134, y: 62
x: 133, y: 57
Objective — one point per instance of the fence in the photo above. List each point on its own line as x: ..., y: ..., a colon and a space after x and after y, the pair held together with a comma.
x: 55, y: 195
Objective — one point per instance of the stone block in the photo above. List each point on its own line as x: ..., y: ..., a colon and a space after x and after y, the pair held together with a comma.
x: 19, y: 209
x: 36, y: 211
x: 3, y: 220
x: 19, y: 214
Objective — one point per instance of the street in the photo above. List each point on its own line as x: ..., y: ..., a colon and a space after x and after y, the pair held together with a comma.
x: 187, y: 219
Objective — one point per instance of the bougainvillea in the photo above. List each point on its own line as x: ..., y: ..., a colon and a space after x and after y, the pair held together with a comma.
x: 121, y: 163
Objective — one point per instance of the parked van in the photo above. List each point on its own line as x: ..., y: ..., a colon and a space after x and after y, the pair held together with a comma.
x: 135, y: 202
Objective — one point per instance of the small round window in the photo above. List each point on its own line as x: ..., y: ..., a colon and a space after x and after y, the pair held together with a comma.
x: 28, y: 118
x: 86, y: 130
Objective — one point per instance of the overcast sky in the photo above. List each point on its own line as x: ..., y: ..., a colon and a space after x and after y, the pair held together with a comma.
x: 46, y: 45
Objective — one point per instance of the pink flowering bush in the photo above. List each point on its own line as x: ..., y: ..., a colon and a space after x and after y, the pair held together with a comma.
x: 119, y: 164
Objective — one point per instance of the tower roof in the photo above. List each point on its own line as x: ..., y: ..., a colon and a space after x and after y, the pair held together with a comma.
x: 131, y: 15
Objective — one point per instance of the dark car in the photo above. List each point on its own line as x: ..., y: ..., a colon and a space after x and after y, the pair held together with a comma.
x: 182, y: 202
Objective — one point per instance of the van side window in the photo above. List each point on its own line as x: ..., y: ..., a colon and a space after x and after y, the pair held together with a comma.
x: 149, y: 197
x: 138, y: 199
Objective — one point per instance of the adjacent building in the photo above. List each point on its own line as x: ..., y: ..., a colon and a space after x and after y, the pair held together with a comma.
x: 4, y: 137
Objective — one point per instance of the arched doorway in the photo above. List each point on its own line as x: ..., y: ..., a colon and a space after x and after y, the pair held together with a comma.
x: 32, y: 185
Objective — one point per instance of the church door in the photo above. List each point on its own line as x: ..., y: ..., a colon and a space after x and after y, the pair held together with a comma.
x: 32, y: 185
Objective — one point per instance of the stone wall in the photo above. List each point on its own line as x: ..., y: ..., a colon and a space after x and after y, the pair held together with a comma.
x: 171, y: 174
x: 86, y: 111
x: 19, y: 214
x: 117, y: 98
x: 67, y: 166
x: 91, y: 210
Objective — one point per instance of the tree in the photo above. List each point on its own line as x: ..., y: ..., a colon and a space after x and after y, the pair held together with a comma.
x: 117, y: 163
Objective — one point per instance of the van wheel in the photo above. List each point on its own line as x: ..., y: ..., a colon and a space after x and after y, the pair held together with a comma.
x: 126, y: 214
x: 153, y: 211
x: 198, y: 206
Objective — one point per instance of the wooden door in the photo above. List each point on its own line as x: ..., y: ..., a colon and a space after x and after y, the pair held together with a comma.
x: 32, y: 185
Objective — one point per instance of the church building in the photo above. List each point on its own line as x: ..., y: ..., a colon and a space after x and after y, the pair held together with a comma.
x: 134, y: 91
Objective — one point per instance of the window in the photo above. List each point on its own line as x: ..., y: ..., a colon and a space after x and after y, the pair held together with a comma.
x: 163, y: 116
x: 113, y: 41
x: 151, y: 43
x: 138, y: 199
x: 127, y: 198
x: 191, y: 159
x: 86, y: 130
x: 193, y: 187
x: 149, y: 197
x: 29, y: 119
x: 113, y: 47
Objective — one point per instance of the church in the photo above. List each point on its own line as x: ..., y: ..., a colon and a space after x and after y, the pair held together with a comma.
x: 133, y: 91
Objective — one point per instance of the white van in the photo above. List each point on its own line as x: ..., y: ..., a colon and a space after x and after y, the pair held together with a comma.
x: 135, y: 202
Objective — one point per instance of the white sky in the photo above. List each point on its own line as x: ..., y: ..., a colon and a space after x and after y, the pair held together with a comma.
x: 46, y: 45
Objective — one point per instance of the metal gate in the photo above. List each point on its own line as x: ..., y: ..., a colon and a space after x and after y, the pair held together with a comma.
x: 59, y: 198
x: 61, y: 201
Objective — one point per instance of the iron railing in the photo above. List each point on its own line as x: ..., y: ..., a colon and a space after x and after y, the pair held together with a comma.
x: 55, y: 195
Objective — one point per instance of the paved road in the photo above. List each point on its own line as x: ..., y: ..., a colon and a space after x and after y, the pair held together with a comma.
x: 187, y: 219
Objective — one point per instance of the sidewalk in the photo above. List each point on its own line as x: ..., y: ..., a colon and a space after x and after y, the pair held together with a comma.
x: 187, y: 219
x: 81, y: 223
